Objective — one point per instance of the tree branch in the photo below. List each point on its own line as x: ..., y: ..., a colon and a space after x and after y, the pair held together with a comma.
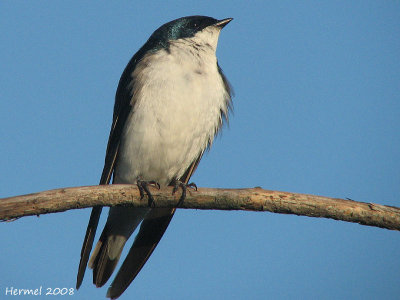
x: 254, y: 199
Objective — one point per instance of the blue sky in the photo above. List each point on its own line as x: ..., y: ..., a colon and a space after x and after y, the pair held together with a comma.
x: 316, y: 110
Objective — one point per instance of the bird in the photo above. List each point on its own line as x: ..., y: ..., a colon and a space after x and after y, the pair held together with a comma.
x: 171, y: 101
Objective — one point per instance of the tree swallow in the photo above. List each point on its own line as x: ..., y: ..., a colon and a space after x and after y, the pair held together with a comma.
x: 171, y: 101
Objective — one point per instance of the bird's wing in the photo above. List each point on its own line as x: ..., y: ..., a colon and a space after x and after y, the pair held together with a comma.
x: 150, y: 233
x: 122, y: 107
x: 88, y: 243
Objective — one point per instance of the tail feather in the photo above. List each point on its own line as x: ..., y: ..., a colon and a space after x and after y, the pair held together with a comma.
x: 150, y: 233
x: 102, y: 262
x: 121, y: 223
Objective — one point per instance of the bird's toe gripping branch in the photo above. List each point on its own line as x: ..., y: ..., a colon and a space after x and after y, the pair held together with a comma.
x: 179, y: 184
x: 143, y: 187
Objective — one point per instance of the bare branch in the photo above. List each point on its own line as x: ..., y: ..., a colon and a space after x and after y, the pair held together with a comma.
x: 254, y: 199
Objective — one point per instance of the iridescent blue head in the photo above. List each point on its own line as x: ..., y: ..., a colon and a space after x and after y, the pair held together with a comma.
x: 185, y: 27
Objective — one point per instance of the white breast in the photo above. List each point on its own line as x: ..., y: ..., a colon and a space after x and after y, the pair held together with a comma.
x: 179, y: 97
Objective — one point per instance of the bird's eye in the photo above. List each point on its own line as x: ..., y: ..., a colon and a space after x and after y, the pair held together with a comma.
x: 195, y: 25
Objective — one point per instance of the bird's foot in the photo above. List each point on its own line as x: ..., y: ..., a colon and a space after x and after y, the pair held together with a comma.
x: 143, y: 187
x: 179, y: 184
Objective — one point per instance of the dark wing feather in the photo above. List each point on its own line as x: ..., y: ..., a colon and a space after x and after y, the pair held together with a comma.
x: 122, y: 108
x: 229, y: 96
x: 88, y: 243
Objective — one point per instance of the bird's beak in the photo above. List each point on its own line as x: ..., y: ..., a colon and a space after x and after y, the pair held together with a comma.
x: 221, y: 23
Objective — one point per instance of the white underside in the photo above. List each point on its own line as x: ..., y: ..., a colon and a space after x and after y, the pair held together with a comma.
x: 177, y: 112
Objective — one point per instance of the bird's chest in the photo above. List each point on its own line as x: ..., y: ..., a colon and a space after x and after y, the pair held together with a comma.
x: 176, y: 113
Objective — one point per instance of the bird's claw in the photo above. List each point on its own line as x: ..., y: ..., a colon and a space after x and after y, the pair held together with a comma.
x: 193, y: 186
x: 143, y: 187
x: 179, y: 184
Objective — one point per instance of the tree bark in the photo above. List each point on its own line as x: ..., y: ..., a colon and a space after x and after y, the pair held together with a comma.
x: 251, y: 199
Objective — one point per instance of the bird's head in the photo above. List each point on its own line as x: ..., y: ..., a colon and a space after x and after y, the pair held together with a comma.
x: 200, y: 28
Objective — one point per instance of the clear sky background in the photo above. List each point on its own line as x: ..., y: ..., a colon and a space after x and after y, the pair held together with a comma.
x: 316, y: 110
